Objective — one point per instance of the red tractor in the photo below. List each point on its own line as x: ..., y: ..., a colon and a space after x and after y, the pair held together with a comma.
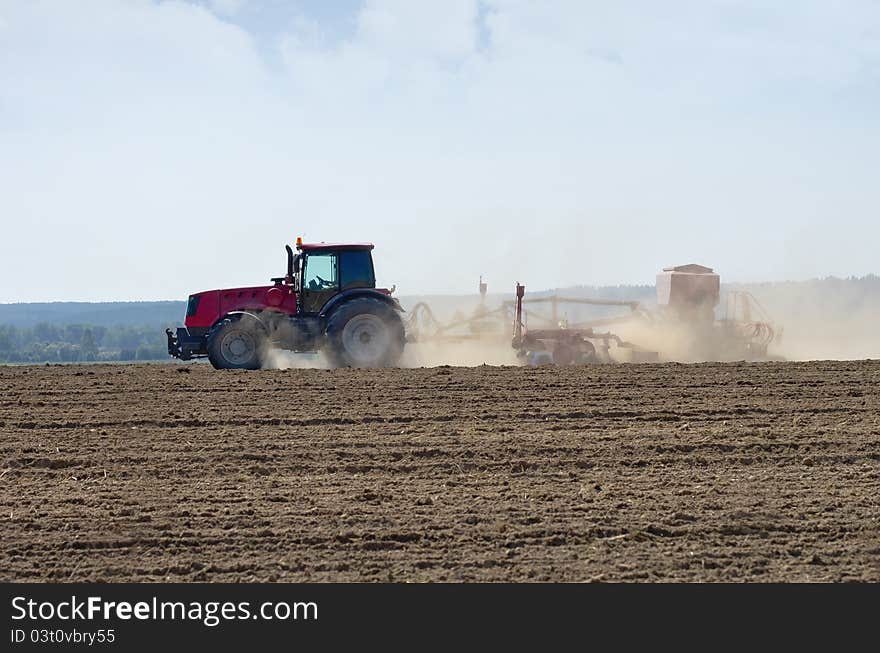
x: 328, y: 301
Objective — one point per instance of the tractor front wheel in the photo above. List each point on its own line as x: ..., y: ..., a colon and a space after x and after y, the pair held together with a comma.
x: 237, y: 344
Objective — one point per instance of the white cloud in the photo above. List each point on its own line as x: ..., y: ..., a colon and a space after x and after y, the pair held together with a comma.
x: 148, y: 150
x: 226, y: 7
x: 401, y: 28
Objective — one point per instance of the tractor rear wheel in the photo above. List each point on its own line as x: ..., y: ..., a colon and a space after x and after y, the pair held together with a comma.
x: 365, y: 332
x: 237, y: 344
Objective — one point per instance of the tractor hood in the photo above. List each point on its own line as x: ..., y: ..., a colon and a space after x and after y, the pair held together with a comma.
x: 205, y: 308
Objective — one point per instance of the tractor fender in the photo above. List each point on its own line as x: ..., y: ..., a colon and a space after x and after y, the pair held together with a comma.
x: 340, y: 299
x: 243, y: 315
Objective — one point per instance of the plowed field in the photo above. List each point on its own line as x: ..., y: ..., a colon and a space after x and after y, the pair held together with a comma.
x: 712, y: 472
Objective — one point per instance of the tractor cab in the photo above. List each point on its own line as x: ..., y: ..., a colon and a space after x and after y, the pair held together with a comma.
x: 319, y: 272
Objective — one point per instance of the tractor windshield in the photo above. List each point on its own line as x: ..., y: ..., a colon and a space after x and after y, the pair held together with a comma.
x: 321, y: 272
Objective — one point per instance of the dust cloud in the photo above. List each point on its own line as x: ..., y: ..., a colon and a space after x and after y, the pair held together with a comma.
x: 480, y: 333
x: 824, y: 319
x: 463, y: 354
x: 814, y: 335
x: 833, y: 341
x: 428, y: 354
x: 281, y: 359
x: 804, y: 333
x: 827, y: 319
x: 671, y: 340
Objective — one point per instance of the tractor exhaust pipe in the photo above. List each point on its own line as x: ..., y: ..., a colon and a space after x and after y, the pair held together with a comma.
x: 289, y: 265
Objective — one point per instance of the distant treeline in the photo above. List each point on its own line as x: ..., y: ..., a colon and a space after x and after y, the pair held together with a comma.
x: 106, y: 314
x: 71, y: 332
x: 72, y: 343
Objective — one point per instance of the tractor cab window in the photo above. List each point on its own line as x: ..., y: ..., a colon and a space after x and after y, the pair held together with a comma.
x: 357, y: 269
x: 321, y: 272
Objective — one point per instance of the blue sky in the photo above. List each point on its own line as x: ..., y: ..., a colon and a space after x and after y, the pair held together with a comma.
x: 150, y: 149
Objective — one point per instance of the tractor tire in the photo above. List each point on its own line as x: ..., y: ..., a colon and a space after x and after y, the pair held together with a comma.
x: 365, y: 332
x: 237, y: 344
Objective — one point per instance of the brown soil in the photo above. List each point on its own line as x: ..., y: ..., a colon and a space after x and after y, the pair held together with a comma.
x: 715, y: 472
